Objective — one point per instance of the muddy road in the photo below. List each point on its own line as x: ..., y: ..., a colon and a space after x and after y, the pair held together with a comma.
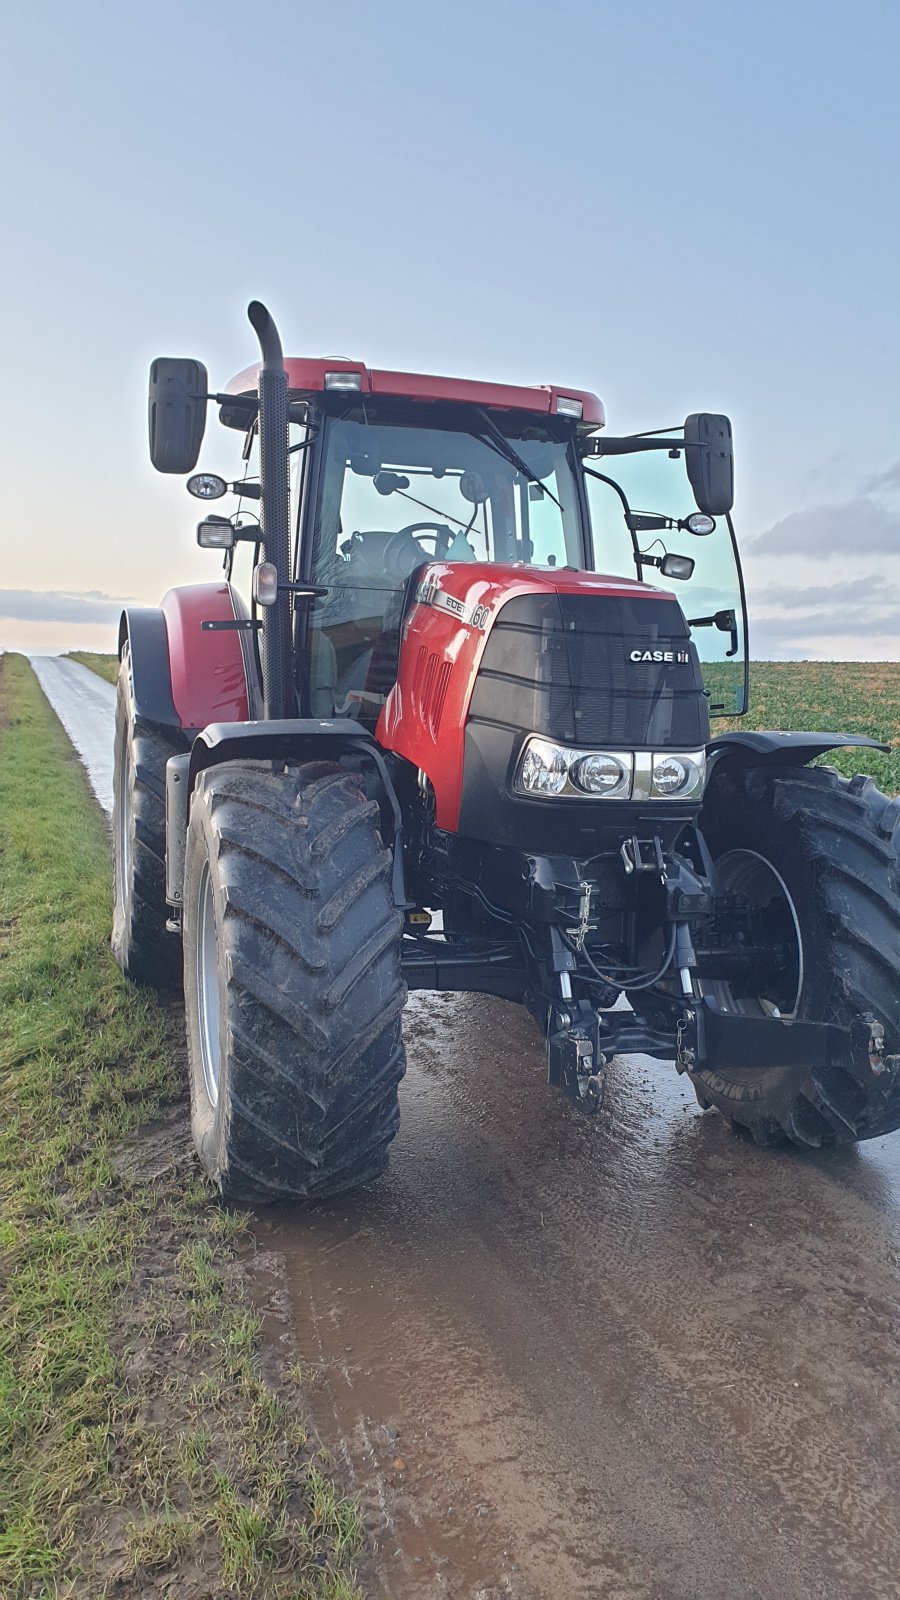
x: 625, y: 1357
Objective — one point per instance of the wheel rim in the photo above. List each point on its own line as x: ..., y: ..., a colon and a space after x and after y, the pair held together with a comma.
x: 748, y: 873
x: 123, y: 832
x: 207, y: 967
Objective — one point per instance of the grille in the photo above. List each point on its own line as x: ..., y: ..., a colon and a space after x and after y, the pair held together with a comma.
x: 430, y: 682
x: 560, y: 665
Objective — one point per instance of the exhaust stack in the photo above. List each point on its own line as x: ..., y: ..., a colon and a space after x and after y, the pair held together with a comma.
x: 275, y: 517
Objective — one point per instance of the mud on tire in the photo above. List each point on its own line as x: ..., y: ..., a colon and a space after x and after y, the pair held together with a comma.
x: 293, y: 992
x: 836, y: 844
x: 140, y: 943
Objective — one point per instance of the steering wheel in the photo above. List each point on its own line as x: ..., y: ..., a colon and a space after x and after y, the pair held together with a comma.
x: 405, y: 551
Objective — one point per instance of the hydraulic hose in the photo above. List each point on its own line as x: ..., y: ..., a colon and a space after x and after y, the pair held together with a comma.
x: 645, y: 982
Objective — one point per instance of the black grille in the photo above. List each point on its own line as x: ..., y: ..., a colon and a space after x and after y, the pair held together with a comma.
x: 561, y: 665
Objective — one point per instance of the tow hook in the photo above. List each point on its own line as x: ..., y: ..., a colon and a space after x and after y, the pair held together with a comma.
x: 575, y: 1062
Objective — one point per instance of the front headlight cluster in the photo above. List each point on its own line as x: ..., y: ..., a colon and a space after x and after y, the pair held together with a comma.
x: 548, y: 769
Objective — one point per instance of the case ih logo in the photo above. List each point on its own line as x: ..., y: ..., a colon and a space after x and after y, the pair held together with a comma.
x: 660, y: 655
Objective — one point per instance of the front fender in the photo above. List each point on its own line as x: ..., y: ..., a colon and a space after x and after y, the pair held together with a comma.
x: 307, y: 739
x: 755, y: 748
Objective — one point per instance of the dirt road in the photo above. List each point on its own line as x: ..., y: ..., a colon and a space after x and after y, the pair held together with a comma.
x: 628, y: 1357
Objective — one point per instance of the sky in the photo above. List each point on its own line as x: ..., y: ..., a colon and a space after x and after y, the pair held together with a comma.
x: 690, y: 207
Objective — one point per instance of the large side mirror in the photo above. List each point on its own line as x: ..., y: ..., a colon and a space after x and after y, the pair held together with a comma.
x: 709, y: 459
x: 177, y: 413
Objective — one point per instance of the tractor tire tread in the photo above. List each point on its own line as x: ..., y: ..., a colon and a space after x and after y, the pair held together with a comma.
x: 144, y: 949
x: 310, y: 945
x: 850, y: 831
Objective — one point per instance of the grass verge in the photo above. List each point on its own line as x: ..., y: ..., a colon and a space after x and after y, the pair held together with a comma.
x: 141, y: 1447
x: 105, y: 666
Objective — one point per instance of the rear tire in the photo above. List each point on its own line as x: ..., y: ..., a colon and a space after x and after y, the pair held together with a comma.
x: 293, y: 991
x: 833, y: 845
x: 140, y: 943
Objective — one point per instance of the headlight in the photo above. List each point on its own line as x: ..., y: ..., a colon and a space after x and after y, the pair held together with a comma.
x: 671, y: 775
x: 546, y: 768
x: 600, y: 774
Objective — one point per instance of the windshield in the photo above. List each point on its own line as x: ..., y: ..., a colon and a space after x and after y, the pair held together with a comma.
x: 654, y: 483
x: 459, y: 496
x: 392, y: 497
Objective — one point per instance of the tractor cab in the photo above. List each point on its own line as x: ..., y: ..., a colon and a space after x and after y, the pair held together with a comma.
x: 394, y: 471
x: 398, y: 491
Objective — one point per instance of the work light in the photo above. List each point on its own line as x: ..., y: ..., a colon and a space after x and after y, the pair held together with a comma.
x: 207, y: 486
x: 343, y: 380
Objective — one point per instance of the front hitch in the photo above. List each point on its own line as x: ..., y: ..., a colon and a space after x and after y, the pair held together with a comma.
x: 575, y: 1062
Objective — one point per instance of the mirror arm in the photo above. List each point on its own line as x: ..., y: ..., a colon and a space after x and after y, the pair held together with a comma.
x: 602, y: 478
x: 725, y: 621
x: 633, y: 444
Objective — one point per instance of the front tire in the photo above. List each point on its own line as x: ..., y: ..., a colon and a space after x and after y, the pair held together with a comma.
x: 293, y: 991
x: 828, y: 849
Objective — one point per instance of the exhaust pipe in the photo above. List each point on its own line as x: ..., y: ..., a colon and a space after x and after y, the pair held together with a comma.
x: 275, y: 514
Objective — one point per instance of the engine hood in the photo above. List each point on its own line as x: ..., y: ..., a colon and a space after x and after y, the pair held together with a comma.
x: 512, y: 650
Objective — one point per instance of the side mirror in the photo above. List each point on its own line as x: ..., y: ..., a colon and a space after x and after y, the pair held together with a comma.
x: 709, y: 459
x: 177, y: 413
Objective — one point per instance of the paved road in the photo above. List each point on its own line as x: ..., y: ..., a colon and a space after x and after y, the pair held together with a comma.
x: 631, y: 1357
x: 85, y: 705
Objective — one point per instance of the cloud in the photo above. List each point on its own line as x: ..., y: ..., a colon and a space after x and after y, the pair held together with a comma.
x: 768, y: 643
x: 871, y: 591
x: 858, y: 620
x: 857, y: 527
x: 60, y: 605
x: 889, y: 479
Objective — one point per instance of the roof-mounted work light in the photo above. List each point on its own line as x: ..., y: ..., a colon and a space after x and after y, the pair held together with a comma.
x: 349, y: 382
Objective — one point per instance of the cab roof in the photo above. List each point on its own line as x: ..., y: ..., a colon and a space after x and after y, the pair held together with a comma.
x: 307, y: 376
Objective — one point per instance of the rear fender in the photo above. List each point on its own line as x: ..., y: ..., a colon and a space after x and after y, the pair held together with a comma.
x: 184, y: 675
x: 142, y: 631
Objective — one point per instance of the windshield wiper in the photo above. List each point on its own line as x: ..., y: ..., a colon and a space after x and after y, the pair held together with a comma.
x: 498, y: 442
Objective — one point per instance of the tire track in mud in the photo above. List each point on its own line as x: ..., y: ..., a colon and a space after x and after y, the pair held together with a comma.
x: 633, y: 1356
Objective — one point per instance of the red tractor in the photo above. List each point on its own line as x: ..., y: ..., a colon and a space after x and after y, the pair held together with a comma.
x: 425, y: 733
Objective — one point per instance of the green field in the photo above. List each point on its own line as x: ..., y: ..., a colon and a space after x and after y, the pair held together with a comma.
x: 834, y: 696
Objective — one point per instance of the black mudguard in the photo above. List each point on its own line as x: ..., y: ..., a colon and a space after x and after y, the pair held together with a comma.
x: 143, y: 629
x: 307, y: 739
x: 771, y: 748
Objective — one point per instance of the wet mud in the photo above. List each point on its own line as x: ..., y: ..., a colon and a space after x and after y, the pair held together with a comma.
x: 631, y: 1356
